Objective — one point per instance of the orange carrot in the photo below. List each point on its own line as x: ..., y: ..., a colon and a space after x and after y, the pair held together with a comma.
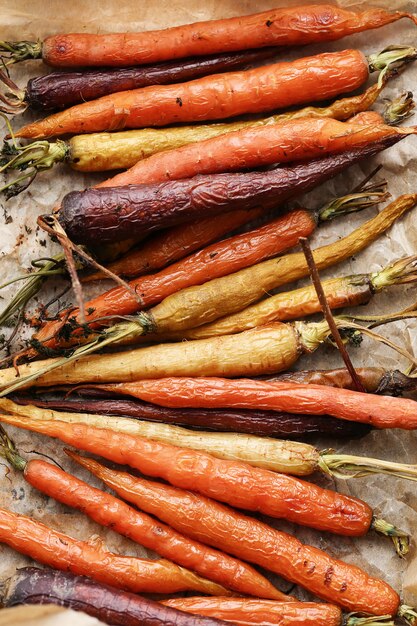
x: 219, y: 96
x: 380, y: 411
x: 237, y: 483
x: 250, y: 148
x: 234, y: 532
x: 107, y: 510
x: 80, y: 557
x: 175, y: 243
x: 277, y: 27
x: 262, y: 612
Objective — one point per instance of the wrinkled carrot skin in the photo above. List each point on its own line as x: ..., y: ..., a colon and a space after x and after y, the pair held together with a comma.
x: 262, y: 423
x: 59, y: 90
x: 107, y: 510
x: 60, y: 551
x: 297, y: 304
x: 219, y: 96
x: 31, y: 585
x: 155, y: 288
x: 278, y: 27
x: 107, y: 151
x: 175, y: 243
x: 243, y: 611
x: 237, y: 483
x: 292, y: 140
x: 252, y: 540
x: 379, y: 411
x: 219, y: 297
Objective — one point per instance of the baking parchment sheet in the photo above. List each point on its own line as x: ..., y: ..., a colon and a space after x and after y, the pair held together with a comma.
x: 21, y: 241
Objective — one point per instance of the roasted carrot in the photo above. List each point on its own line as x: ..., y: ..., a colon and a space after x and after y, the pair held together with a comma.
x: 237, y: 483
x: 115, y: 213
x: 243, y: 287
x: 194, y: 306
x: 379, y: 411
x: 277, y: 27
x: 248, y: 611
x: 60, y: 551
x: 173, y: 244
x: 107, y: 151
x: 30, y: 585
x: 220, y: 96
x: 261, y: 423
x: 295, y: 458
x: 250, y: 148
x: 109, y: 511
x: 340, y: 292
x: 251, y: 540
x: 59, y: 90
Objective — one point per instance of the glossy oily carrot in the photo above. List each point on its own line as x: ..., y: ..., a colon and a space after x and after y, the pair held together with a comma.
x: 278, y: 27
x: 60, y: 551
x: 108, y: 511
x: 219, y: 96
x: 236, y: 483
x: 247, y: 611
x: 252, y: 540
x: 379, y: 411
x: 30, y: 585
x: 244, y: 287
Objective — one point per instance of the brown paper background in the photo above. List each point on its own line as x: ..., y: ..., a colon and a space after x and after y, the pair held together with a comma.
x: 20, y: 242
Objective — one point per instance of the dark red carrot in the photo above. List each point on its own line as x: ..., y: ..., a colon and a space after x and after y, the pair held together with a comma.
x: 60, y: 90
x: 31, y: 585
x: 263, y: 423
x: 281, y: 26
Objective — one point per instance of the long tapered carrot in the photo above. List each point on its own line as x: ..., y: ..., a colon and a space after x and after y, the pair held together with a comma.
x: 236, y: 483
x: 252, y: 540
x: 225, y: 295
x: 219, y: 96
x: 249, y: 611
x: 340, y: 292
x: 55, y: 549
x: 107, y: 510
x: 279, y: 27
x: 380, y: 411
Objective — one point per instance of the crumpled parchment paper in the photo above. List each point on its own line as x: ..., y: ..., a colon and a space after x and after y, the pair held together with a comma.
x: 21, y: 242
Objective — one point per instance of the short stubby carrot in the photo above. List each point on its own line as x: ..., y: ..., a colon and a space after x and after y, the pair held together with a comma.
x: 252, y: 540
x: 379, y: 411
x: 107, y: 510
x: 234, y: 482
x: 80, y: 557
x: 277, y: 27
x: 248, y: 611
x: 219, y: 96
